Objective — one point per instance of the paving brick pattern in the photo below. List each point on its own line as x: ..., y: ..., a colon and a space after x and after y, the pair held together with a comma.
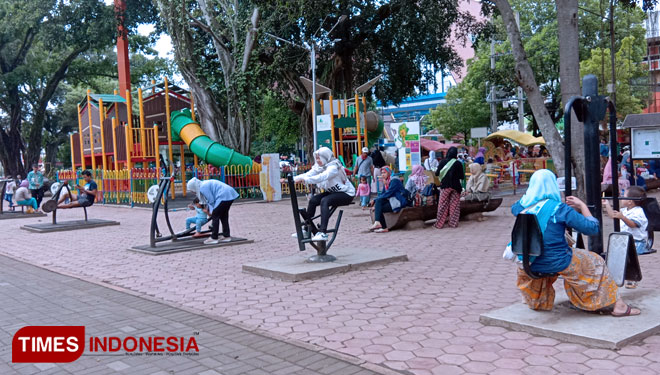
x: 420, y: 316
x: 34, y: 296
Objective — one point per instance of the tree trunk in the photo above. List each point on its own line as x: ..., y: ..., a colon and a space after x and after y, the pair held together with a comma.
x: 525, y: 78
x: 228, y: 123
x: 11, y: 143
x: 569, y: 76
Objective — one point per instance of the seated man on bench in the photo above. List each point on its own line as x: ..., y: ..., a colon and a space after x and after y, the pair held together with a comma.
x: 328, y: 174
x: 86, y: 194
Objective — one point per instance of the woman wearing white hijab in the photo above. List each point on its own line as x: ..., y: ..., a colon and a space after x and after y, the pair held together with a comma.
x: 219, y: 197
x: 336, y: 190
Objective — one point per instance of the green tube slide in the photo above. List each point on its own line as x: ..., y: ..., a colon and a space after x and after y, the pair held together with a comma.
x: 189, y: 131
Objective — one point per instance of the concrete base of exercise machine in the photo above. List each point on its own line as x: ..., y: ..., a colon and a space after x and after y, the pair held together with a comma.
x: 566, y: 324
x: 185, y: 244
x: 299, y: 267
x: 64, y: 226
x: 19, y: 215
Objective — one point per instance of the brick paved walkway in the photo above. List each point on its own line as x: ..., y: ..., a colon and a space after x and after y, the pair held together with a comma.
x: 420, y: 316
x: 34, y: 296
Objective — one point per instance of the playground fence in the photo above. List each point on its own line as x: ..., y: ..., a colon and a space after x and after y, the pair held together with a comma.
x: 130, y: 187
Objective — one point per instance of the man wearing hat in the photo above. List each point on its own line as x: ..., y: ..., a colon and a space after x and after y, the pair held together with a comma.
x: 364, y: 166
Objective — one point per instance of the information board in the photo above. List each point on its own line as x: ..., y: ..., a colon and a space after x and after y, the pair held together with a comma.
x: 645, y: 143
x: 407, y: 141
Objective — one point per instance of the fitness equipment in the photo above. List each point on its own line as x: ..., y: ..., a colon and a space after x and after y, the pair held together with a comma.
x: 51, y: 204
x: 155, y: 235
x: 307, y: 228
x: 54, y: 187
x: 152, y: 193
x: 590, y: 109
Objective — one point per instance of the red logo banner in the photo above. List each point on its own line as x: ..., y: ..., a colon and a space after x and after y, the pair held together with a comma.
x: 35, y: 344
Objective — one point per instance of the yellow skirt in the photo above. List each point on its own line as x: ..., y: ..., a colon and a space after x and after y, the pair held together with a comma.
x: 587, y: 282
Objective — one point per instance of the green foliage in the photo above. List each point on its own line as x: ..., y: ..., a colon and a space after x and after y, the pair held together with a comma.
x: 42, y: 44
x: 538, y: 28
x: 629, y: 98
x: 465, y: 109
x: 278, y: 128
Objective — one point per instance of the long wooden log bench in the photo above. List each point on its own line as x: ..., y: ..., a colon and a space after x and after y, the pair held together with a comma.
x: 396, y: 220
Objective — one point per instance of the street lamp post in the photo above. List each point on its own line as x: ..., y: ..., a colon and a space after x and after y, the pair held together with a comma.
x: 311, y: 47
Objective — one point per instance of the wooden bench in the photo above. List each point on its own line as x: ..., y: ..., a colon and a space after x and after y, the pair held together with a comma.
x: 396, y: 220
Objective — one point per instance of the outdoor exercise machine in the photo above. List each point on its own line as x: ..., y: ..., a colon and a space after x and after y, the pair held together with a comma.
x: 13, y: 214
x: 155, y: 235
x: 51, y: 206
x: 306, y: 229
x: 160, y: 242
x: 527, y: 238
x: 590, y: 109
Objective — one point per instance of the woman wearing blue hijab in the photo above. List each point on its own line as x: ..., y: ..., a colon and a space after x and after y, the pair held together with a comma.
x: 587, y: 280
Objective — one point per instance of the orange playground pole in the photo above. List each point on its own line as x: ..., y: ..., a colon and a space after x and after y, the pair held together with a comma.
x: 114, y: 142
x: 73, y: 159
x: 192, y: 116
x: 143, y: 143
x: 156, y: 149
x: 129, y: 145
x: 80, y: 135
x: 91, y: 129
x: 105, y: 161
x: 183, y: 169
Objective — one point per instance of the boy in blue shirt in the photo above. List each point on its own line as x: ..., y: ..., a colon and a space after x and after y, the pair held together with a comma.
x: 199, y: 219
x: 86, y: 194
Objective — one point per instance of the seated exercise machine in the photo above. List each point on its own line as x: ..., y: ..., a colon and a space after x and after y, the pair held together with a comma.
x: 306, y: 227
x: 51, y: 206
x: 13, y: 214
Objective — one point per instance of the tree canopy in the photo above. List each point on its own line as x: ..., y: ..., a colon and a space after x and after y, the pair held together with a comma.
x: 42, y: 44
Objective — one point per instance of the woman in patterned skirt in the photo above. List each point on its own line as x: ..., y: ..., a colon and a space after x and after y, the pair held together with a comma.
x: 450, y: 173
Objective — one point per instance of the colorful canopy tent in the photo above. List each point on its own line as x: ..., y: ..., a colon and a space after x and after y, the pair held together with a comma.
x: 521, y: 138
x: 430, y: 145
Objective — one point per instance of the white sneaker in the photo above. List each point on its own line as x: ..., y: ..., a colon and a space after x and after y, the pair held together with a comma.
x: 304, y: 233
x: 226, y: 239
x: 320, y: 236
x: 211, y: 241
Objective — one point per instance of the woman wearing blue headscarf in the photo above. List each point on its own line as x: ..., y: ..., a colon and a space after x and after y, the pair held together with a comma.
x: 587, y: 280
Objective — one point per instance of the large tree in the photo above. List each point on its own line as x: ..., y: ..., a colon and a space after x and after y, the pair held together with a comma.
x: 407, y: 42
x: 41, y: 42
x: 213, y: 44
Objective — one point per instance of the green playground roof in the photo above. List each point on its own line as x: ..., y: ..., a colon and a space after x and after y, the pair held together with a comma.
x: 108, y: 98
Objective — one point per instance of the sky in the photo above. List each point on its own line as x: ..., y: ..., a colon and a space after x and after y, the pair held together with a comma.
x: 163, y: 44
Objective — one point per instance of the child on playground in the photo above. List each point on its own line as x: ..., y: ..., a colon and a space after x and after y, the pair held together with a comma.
x: 363, y: 192
x: 199, y: 219
x: 633, y: 221
x: 9, y: 193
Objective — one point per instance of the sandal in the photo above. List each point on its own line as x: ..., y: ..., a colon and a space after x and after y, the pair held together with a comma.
x: 375, y: 226
x: 627, y: 313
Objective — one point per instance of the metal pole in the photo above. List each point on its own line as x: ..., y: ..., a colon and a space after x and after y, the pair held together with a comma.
x: 615, y: 167
x: 493, y: 105
x: 596, y: 107
x: 313, y: 54
x: 521, y: 110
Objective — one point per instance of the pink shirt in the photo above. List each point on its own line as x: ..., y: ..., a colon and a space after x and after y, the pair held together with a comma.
x: 363, y: 190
